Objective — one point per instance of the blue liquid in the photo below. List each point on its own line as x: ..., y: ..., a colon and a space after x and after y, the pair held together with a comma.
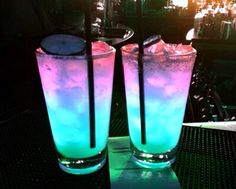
x: 65, y: 87
x: 166, y: 89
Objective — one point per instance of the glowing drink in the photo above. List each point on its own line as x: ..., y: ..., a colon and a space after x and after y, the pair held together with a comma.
x: 65, y: 85
x: 167, y: 71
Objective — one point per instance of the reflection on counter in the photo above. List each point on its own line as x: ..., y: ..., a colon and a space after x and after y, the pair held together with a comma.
x: 124, y: 172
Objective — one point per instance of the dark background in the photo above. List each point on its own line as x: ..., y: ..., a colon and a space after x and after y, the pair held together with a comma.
x: 25, y: 22
x: 205, y: 158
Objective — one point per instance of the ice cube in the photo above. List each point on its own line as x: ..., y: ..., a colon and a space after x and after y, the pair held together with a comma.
x: 156, y: 81
x: 184, y: 49
x: 178, y: 49
x: 99, y: 47
x: 131, y: 48
x: 157, y: 48
x: 170, y: 90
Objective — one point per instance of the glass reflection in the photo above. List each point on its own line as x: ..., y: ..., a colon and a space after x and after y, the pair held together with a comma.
x: 125, y: 173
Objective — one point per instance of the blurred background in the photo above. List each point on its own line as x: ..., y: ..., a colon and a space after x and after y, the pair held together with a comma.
x: 31, y: 18
x: 206, y: 157
x: 25, y: 22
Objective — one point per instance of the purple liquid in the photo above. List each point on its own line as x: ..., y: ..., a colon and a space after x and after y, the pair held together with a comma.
x: 65, y: 86
x: 167, y: 76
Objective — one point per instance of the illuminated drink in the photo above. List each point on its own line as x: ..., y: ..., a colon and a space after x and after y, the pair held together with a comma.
x: 65, y: 86
x: 167, y: 71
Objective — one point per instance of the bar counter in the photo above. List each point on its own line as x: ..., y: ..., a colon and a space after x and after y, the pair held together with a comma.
x: 206, y: 158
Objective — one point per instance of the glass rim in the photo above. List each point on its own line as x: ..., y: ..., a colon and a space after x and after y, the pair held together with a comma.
x: 40, y: 52
x: 194, y: 51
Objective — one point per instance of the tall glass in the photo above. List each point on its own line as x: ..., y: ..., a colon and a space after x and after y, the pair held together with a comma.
x: 66, y: 90
x: 167, y: 71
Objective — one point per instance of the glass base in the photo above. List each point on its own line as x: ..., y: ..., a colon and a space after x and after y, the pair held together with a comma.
x: 153, y: 161
x: 82, y: 166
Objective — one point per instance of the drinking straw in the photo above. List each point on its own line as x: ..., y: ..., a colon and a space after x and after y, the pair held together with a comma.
x: 140, y: 68
x: 90, y: 72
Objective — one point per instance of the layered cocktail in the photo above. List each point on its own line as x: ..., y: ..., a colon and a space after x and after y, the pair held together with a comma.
x: 66, y: 90
x: 167, y: 71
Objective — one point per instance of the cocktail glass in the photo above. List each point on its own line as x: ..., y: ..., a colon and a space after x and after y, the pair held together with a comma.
x: 66, y: 91
x: 167, y: 71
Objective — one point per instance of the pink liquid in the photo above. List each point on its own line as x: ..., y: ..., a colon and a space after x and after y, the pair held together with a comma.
x: 166, y: 85
x: 65, y: 86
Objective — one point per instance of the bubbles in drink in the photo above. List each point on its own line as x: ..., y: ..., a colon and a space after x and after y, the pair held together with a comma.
x: 156, y: 48
x: 65, y: 85
x: 99, y: 47
x: 167, y: 74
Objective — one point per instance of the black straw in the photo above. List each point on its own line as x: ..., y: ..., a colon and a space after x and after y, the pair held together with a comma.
x: 90, y: 72
x: 140, y: 66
